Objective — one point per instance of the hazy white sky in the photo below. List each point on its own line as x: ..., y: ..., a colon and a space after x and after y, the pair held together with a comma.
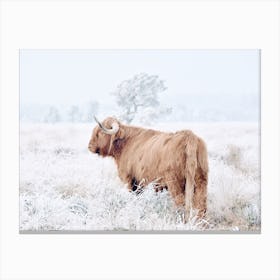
x: 66, y: 77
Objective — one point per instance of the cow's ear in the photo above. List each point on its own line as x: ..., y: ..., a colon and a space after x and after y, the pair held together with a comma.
x: 120, y: 134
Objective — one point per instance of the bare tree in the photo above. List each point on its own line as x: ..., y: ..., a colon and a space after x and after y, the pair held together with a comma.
x: 139, y: 94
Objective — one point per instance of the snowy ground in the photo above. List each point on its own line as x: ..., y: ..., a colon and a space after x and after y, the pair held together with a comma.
x: 65, y: 187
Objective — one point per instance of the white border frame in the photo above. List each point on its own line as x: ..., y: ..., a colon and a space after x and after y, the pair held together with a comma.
x: 154, y: 24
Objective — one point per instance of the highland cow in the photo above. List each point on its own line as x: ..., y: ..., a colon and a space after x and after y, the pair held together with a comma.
x: 175, y: 161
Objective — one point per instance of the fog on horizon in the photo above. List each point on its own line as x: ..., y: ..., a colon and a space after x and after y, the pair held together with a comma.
x: 202, y: 85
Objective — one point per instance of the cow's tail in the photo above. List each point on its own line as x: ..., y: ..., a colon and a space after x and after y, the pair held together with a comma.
x: 196, y: 176
x: 202, y: 156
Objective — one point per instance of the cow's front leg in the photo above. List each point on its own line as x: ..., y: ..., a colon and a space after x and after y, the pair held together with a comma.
x: 126, y: 178
x: 135, y: 186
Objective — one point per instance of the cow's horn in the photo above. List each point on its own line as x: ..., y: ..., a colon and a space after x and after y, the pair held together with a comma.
x: 111, y: 131
x: 98, y: 122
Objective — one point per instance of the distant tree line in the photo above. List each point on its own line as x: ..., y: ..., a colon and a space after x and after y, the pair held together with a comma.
x: 137, y: 100
x: 73, y: 114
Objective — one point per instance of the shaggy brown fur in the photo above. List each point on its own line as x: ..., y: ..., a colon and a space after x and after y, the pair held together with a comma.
x: 176, y: 161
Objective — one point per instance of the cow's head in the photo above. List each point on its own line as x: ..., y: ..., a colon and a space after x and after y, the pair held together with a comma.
x: 106, y: 137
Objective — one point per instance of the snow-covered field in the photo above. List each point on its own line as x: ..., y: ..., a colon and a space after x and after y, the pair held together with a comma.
x: 65, y: 187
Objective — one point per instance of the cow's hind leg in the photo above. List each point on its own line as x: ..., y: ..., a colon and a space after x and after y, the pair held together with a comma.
x: 177, y: 192
x: 176, y: 189
x: 177, y: 195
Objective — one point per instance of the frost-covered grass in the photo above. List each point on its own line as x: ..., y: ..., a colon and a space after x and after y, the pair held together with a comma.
x: 65, y: 187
